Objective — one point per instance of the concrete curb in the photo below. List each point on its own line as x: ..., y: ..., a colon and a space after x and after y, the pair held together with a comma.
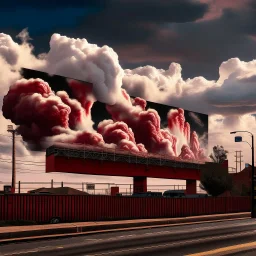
x: 10, y: 233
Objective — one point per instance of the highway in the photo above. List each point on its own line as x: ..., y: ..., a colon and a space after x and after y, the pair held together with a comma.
x: 224, y: 238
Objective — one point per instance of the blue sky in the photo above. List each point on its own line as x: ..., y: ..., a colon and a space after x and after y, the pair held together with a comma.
x: 199, y: 34
x: 40, y: 21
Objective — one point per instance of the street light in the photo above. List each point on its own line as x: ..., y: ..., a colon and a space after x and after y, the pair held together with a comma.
x: 239, y: 139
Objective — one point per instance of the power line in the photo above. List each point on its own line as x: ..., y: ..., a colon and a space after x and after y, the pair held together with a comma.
x: 42, y: 171
x: 6, y: 159
x: 21, y: 172
x: 27, y: 156
x: 29, y: 173
x: 26, y: 163
x: 27, y: 170
x: 5, y: 135
x: 22, y: 163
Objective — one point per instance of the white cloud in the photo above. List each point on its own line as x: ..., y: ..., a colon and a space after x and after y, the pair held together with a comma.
x: 78, y: 59
x: 233, y: 93
x: 230, y: 99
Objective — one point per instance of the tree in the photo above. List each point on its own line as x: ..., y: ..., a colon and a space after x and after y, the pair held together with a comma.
x: 219, y: 154
x: 215, y: 179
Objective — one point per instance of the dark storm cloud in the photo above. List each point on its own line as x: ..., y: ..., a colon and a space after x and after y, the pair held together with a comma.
x: 246, y: 21
x: 200, y: 47
x: 112, y: 22
x: 128, y: 22
x: 146, y: 32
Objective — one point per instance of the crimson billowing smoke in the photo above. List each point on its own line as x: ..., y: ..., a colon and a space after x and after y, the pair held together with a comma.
x: 45, y: 115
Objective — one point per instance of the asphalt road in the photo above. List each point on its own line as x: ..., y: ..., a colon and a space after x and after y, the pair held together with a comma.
x: 176, y: 240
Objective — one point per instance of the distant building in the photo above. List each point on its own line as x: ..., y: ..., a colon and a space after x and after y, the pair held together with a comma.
x: 58, y: 191
x: 241, y: 182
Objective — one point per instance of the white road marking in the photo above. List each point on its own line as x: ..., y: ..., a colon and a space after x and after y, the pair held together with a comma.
x: 134, y: 235
x: 172, y: 244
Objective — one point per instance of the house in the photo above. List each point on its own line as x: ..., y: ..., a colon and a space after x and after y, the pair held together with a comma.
x: 58, y: 191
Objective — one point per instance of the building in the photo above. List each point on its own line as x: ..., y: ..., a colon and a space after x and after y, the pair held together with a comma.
x: 58, y: 191
x: 241, y: 182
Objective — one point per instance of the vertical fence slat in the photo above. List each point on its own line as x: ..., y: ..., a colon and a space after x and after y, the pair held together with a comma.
x: 42, y: 208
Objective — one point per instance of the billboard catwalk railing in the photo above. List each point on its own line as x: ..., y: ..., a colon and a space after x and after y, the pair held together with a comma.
x: 42, y: 208
x: 107, y: 154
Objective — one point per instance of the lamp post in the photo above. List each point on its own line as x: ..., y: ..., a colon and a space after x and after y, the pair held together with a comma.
x: 239, y: 139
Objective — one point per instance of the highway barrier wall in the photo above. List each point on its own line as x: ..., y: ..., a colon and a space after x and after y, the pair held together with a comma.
x: 70, y: 208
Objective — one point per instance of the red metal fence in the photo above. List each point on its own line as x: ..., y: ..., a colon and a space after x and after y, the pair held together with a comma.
x: 69, y: 208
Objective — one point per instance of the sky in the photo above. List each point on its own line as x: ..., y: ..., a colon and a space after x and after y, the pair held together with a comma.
x: 194, y: 54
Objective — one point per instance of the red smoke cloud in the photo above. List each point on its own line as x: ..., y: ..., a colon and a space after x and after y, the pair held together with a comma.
x: 115, y: 132
x: 80, y: 137
x: 176, y: 122
x: 32, y: 105
x: 42, y: 114
x: 83, y: 93
x: 195, y: 147
x: 170, y: 137
x: 146, y: 127
x: 120, y: 134
x: 145, y: 124
x: 26, y: 87
x: 77, y: 114
x: 186, y: 153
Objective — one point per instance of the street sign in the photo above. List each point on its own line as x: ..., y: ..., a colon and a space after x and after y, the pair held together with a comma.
x: 90, y: 186
x: 238, y: 139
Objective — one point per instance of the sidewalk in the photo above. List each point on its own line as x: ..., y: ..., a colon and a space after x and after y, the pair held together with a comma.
x: 18, y: 233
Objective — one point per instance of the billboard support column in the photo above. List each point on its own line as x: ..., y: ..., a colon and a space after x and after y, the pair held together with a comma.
x: 190, y: 187
x: 139, y: 184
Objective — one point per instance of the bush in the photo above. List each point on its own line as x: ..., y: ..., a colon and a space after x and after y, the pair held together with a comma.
x: 215, y: 179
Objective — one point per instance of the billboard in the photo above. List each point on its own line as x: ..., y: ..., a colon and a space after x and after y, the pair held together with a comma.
x: 49, y: 109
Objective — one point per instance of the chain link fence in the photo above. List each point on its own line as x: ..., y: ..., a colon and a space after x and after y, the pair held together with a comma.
x: 92, y: 188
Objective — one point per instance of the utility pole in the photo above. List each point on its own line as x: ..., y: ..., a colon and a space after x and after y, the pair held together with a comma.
x: 13, y: 131
x: 240, y: 159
